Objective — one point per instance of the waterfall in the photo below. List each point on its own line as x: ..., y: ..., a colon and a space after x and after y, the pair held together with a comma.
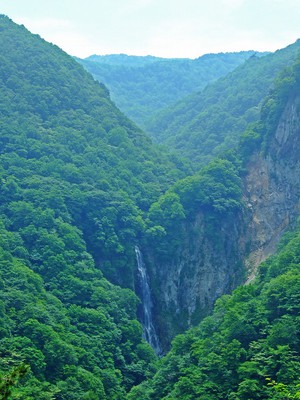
x: 149, y: 333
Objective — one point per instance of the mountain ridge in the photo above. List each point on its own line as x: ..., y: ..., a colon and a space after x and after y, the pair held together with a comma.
x: 75, y: 177
x: 81, y: 186
x: 209, y: 122
x: 233, y: 213
x: 141, y: 88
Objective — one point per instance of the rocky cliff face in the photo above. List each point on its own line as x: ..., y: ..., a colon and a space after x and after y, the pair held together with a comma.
x: 272, y: 188
x: 207, y: 265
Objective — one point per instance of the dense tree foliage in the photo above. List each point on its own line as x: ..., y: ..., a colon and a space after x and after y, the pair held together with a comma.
x: 258, y: 135
x: 205, y: 124
x: 215, y: 191
x: 76, y: 177
x: 142, y: 86
x: 248, y: 349
x: 76, y: 332
x: 80, y: 185
x: 66, y: 147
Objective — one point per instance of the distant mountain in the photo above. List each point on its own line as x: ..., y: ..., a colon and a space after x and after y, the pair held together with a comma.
x: 206, y: 123
x: 124, y: 59
x: 141, y: 86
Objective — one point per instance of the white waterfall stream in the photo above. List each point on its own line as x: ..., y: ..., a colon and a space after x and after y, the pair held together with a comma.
x: 145, y: 294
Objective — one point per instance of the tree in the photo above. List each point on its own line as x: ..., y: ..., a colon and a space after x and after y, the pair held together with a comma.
x: 9, y: 380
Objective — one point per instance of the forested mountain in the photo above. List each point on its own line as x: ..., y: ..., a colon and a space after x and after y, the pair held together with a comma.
x: 76, y: 177
x: 205, y: 124
x: 124, y: 60
x: 220, y: 223
x: 142, y: 86
x: 59, y: 124
x: 83, y: 191
x: 249, y: 348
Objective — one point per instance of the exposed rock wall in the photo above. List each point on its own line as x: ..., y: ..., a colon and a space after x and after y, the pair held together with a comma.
x: 211, y: 259
x: 272, y: 188
x: 207, y: 264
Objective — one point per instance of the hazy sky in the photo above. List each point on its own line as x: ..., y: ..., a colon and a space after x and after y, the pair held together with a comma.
x: 166, y: 28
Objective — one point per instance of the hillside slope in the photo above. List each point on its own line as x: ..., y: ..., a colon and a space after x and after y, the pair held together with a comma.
x: 207, y: 123
x: 141, y: 86
x: 249, y: 348
x: 59, y: 125
x: 223, y: 221
x: 76, y: 177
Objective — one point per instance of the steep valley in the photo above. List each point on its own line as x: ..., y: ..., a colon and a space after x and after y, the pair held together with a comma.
x: 143, y: 86
x: 248, y: 348
x: 107, y: 239
x: 216, y: 253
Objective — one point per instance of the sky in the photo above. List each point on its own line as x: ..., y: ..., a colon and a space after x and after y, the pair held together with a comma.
x: 164, y: 28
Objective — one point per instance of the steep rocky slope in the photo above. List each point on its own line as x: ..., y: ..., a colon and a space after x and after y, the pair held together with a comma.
x: 272, y: 186
x: 247, y: 349
x: 203, y: 267
x: 216, y: 254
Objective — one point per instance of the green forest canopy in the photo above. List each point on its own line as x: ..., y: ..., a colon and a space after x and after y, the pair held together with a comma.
x: 205, y: 124
x: 76, y: 177
x: 79, y: 185
x: 142, y: 86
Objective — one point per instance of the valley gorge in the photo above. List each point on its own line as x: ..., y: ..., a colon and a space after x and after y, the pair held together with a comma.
x: 206, y: 266
x: 130, y: 272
